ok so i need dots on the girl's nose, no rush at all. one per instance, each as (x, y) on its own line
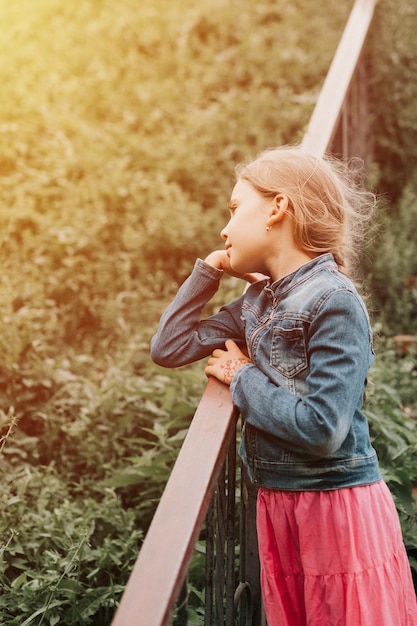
(223, 233)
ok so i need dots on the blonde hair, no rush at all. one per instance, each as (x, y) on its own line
(327, 201)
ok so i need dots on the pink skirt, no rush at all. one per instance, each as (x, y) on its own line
(334, 558)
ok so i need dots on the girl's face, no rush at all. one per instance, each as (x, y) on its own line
(245, 235)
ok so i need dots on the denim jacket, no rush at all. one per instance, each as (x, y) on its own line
(310, 343)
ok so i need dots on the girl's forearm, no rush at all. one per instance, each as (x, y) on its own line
(182, 336)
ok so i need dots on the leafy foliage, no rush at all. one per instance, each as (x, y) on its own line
(120, 127)
(392, 278)
(79, 496)
(392, 272)
(392, 411)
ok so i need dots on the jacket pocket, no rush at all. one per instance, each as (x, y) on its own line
(289, 348)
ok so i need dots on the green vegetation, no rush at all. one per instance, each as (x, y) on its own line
(120, 126)
(392, 275)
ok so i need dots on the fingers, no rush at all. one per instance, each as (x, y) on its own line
(220, 260)
(230, 345)
(223, 364)
(233, 349)
(211, 370)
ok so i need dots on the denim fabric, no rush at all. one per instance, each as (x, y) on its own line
(309, 338)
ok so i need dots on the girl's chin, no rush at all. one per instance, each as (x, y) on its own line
(237, 269)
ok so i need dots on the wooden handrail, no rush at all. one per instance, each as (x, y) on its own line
(161, 567)
(328, 110)
(163, 560)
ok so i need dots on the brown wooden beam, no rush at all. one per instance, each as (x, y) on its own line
(161, 567)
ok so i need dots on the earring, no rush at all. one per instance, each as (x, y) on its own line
(268, 228)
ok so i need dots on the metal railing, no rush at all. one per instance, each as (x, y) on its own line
(202, 485)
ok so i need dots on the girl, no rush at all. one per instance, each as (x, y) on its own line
(295, 350)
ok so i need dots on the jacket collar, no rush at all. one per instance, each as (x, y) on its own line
(284, 284)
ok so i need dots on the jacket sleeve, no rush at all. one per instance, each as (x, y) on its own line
(182, 337)
(340, 354)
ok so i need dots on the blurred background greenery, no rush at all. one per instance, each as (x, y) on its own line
(120, 127)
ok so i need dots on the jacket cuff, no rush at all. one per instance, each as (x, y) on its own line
(236, 380)
(209, 270)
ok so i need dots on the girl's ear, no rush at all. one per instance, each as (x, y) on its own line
(278, 209)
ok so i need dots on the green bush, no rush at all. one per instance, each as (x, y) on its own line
(392, 277)
(121, 124)
(78, 497)
(391, 407)
(64, 559)
(392, 271)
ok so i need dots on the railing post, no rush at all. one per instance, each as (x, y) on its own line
(220, 547)
(250, 587)
(326, 117)
(352, 137)
(232, 591)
